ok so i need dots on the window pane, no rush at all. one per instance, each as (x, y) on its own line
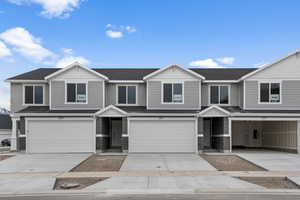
(71, 93)
(275, 92)
(28, 94)
(214, 94)
(224, 95)
(131, 95)
(38, 95)
(264, 92)
(167, 93)
(177, 93)
(121, 94)
(81, 92)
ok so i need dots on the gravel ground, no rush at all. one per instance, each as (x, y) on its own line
(84, 182)
(230, 163)
(97, 163)
(272, 182)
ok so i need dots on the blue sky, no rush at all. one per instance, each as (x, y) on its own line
(143, 33)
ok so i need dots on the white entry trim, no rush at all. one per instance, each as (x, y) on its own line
(226, 113)
(112, 107)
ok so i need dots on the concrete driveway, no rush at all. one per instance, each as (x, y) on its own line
(41, 162)
(165, 162)
(272, 160)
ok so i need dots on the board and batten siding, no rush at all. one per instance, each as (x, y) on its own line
(290, 94)
(234, 99)
(191, 96)
(95, 96)
(16, 99)
(111, 93)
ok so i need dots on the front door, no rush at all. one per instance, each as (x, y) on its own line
(207, 133)
(116, 132)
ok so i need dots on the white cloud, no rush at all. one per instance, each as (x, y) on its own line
(67, 51)
(130, 29)
(53, 8)
(71, 59)
(114, 34)
(226, 60)
(209, 63)
(5, 96)
(26, 44)
(4, 51)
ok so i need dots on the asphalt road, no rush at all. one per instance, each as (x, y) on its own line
(161, 197)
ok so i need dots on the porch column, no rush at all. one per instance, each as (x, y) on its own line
(200, 134)
(298, 136)
(13, 139)
(124, 134)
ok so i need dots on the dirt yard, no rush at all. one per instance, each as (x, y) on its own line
(230, 163)
(271, 182)
(84, 182)
(3, 157)
(98, 163)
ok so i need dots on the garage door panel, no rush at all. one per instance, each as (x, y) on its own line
(162, 136)
(60, 136)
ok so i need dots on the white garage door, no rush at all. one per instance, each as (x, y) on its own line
(162, 135)
(60, 136)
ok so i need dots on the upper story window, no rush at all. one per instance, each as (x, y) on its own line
(219, 94)
(76, 93)
(126, 95)
(269, 92)
(172, 92)
(33, 94)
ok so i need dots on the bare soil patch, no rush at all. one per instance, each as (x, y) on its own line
(84, 182)
(272, 182)
(98, 163)
(3, 157)
(230, 163)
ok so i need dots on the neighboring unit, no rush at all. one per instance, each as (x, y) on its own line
(5, 127)
(158, 110)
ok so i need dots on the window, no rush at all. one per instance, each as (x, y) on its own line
(76, 93)
(172, 93)
(33, 94)
(219, 94)
(126, 94)
(269, 92)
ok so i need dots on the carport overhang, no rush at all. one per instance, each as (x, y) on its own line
(264, 117)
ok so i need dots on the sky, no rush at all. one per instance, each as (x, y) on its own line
(144, 33)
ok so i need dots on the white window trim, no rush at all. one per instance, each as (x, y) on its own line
(229, 94)
(126, 104)
(77, 82)
(269, 82)
(162, 91)
(34, 104)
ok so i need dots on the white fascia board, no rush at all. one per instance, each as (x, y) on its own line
(163, 114)
(214, 107)
(16, 115)
(75, 64)
(221, 81)
(111, 107)
(267, 66)
(172, 65)
(265, 114)
(126, 81)
(26, 81)
(265, 118)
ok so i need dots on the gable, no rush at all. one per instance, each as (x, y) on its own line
(214, 111)
(174, 73)
(286, 68)
(111, 111)
(76, 72)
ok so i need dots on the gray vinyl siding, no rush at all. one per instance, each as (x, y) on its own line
(290, 90)
(241, 94)
(16, 100)
(234, 93)
(111, 94)
(191, 96)
(95, 96)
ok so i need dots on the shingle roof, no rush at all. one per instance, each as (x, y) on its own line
(139, 73)
(5, 122)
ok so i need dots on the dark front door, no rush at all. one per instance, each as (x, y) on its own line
(207, 133)
(116, 132)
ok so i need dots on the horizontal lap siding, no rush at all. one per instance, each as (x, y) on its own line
(95, 96)
(290, 96)
(191, 96)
